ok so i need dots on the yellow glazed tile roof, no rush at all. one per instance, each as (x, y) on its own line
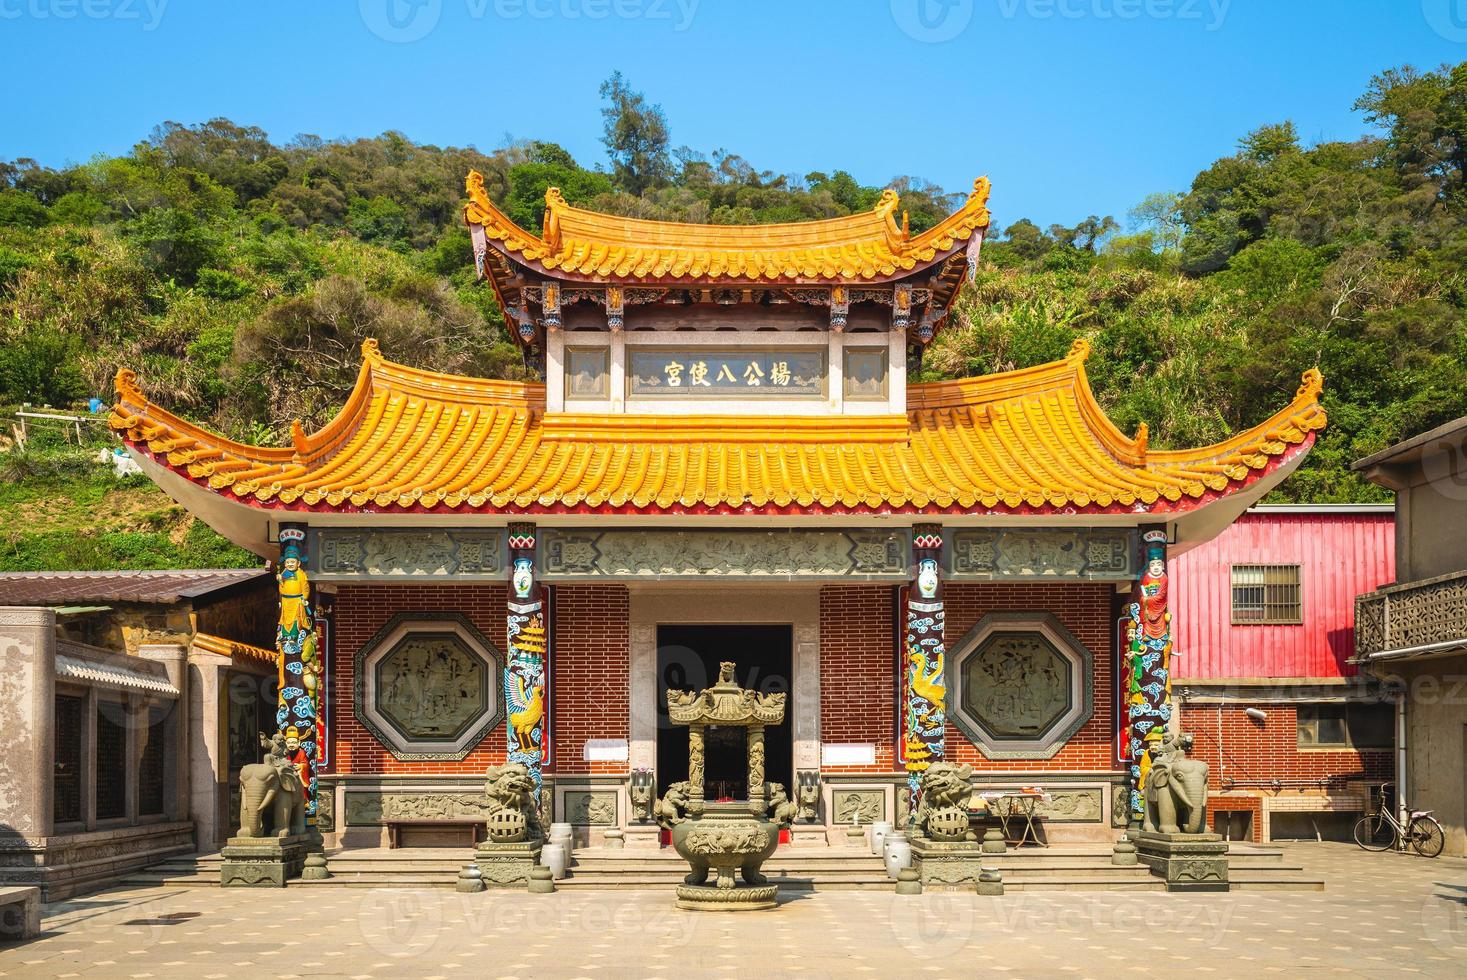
(870, 246)
(209, 643)
(411, 441)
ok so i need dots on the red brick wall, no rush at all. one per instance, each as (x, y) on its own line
(1084, 609)
(589, 673)
(858, 680)
(1252, 752)
(858, 671)
(362, 610)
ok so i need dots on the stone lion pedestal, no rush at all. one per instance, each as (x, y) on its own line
(1188, 862)
(940, 863)
(507, 865)
(263, 862)
(512, 825)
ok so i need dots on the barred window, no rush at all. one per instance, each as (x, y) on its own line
(67, 778)
(111, 760)
(153, 762)
(1266, 594)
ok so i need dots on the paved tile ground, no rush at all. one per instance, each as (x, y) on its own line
(1381, 914)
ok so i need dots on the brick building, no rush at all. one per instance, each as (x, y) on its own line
(725, 461)
(1296, 737)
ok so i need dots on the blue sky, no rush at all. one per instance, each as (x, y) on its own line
(1070, 106)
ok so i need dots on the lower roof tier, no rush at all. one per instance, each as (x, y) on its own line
(413, 442)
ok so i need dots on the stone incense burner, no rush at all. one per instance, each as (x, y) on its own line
(721, 838)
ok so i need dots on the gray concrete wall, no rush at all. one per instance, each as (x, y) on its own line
(1436, 744)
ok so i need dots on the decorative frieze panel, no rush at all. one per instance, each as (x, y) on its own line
(368, 808)
(1024, 685)
(427, 686)
(591, 808)
(1044, 553)
(785, 554)
(858, 805)
(346, 554)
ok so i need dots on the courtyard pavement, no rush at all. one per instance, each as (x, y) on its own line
(1380, 914)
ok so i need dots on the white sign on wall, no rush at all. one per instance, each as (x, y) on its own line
(848, 754)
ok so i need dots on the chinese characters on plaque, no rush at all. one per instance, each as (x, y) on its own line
(779, 373)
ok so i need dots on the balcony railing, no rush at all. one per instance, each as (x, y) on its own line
(1412, 615)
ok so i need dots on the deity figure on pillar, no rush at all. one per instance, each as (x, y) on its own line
(298, 705)
(1148, 667)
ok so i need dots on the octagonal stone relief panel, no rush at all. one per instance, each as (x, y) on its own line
(1023, 685)
(427, 685)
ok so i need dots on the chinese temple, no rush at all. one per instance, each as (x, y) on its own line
(725, 461)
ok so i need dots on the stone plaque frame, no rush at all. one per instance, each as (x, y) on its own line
(1081, 700)
(400, 628)
(990, 554)
(387, 554)
(693, 554)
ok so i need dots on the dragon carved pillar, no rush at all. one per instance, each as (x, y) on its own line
(525, 665)
(1148, 667)
(924, 716)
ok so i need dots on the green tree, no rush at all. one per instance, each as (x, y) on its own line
(635, 136)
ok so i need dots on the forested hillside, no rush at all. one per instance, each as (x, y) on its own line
(239, 276)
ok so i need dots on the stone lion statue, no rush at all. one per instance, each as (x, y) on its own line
(947, 790)
(781, 809)
(511, 791)
(672, 809)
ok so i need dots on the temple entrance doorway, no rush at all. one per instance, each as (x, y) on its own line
(687, 660)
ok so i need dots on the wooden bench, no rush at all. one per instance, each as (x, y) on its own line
(20, 913)
(434, 833)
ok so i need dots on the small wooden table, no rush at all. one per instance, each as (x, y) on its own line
(1012, 804)
(435, 833)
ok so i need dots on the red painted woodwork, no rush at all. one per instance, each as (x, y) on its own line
(1341, 554)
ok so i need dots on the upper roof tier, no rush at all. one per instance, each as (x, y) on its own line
(412, 442)
(860, 248)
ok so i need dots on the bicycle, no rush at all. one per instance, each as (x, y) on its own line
(1381, 831)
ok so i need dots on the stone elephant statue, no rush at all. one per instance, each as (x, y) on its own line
(1176, 789)
(272, 798)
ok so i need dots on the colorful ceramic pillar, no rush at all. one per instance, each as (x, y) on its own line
(1148, 666)
(924, 689)
(298, 715)
(527, 644)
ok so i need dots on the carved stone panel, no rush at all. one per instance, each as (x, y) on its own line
(1040, 553)
(1023, 686)
(368, 808)
(345, 554)
(1016, 685)
(1072, 806)
(868, 804)
(743, 554)
(427, 686)
(591, 808)
(430, 685)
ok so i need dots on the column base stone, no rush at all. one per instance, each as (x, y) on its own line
(1188, 862)
(262, 862)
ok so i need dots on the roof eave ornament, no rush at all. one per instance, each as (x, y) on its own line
(554, 203)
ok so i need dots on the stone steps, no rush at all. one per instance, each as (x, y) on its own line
(1058, 868)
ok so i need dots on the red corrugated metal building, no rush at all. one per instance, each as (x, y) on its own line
(1264, 619)
(1340, 552)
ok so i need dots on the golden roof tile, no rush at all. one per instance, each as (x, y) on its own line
(864, 247)
(1027, 441)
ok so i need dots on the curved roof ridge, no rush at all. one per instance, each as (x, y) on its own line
(1302, 415)
(865, 246)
